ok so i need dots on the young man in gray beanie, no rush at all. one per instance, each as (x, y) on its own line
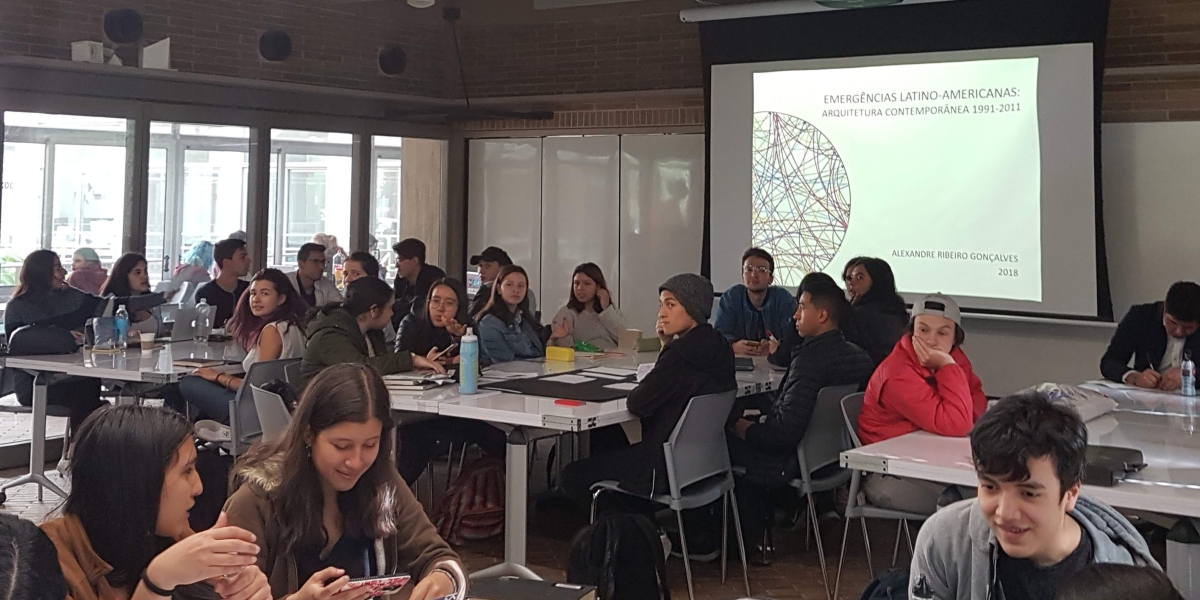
(695, 361)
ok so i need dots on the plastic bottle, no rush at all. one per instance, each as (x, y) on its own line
(204, 321)
(121, 327)
(1188, 372)
(339, 267)
(468, 364)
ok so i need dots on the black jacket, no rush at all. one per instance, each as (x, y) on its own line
(410, 297)
(1141, 335)
(68, 308)
(419, 336)
(823, 361)
(883, 324)
(697, 364)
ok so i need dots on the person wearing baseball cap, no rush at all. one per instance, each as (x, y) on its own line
(489, 262)
(925, 384)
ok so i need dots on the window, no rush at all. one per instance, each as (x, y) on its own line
(199, 178)
(310, 191)
(385, 202)
(64, 188)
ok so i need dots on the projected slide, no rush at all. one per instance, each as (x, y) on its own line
(935, 167)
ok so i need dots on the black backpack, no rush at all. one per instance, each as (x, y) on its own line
(621, 555)
(892, 585)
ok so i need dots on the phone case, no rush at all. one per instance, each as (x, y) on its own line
(379, 585)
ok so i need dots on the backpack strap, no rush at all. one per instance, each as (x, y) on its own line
(660, 563)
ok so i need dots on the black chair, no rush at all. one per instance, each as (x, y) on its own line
(35, 340)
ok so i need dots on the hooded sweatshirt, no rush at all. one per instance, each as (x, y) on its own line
(416, 549)
(334, 338)
(956, 551)
(699, 363)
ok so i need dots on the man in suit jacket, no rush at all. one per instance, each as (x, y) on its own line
(1157, 336)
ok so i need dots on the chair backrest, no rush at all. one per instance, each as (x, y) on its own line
(291, 374)
(824, 440)
(851, 409)
(273, 415)
(244, 426)
(697, 449)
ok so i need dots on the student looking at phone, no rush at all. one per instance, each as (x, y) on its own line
(755, 314)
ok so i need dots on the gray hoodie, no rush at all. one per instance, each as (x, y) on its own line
(956, 552)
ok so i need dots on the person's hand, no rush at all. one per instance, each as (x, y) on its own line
(421, 362)
(764, 348)
(561, 329)
(455, 329)
(1171, 381)
(1147, 379)
(772, 347)
(605, 298)
(662, 333)
(741, 427)
(327, 584)
(745, 348)
(433, 356)
(207, 373)
(435, 585)
(211, 554)
(250, 584)
(79, 336)
(931, 358)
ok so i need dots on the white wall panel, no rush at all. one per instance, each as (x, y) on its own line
(505, 200)
(662, 218)
(580, 218)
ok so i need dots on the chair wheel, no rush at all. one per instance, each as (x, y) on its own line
(3, 497)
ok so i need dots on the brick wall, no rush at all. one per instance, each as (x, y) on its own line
(1148, 35)
(331, 45)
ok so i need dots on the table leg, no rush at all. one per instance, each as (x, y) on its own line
(515, 511)
(37, 445)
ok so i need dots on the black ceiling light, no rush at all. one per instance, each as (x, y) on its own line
(275, 45)
(123, 26)
(393, 60)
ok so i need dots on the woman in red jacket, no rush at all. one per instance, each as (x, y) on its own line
(925, 384)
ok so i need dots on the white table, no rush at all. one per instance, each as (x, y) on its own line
(533, 417)
(1170, 483)
(1133, 398)
(154, 366)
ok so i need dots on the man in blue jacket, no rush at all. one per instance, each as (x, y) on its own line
(754, 314)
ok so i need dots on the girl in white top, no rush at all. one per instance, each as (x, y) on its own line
(266, 324)
(590, 316)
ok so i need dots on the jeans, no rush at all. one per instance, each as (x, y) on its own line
(419, 442)
(211, 399)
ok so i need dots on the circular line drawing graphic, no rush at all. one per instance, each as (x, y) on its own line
(801, 196)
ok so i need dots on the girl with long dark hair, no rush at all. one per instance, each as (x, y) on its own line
(130, 278)
(508, 331)
(266, 325)
(878, 305)
(590, 315)
(124, 532)
(325, 501)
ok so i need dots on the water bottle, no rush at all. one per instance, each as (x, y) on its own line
(468, 363)
(121, 327)
(204, 321)
(1188, 372)
(339, 267)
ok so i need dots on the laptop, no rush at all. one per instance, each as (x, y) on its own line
(184, 327)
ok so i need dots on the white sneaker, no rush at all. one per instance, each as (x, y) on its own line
(212, 431)
(666, 542)
(64, 467)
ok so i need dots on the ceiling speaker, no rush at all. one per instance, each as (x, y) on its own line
(123, 26)
(393, 60)
(275, 45)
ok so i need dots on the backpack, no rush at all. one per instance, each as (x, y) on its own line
(621, 555)
(214, 467)
(473, 508)
(892, 585)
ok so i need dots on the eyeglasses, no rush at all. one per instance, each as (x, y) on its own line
(749, 270)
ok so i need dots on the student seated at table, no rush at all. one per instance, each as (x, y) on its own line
(43, 298)
(351, 331)
(489, 262)
(508, 331)
(925, 384)
(413, 277)
(87, 274)
(124, 533)
(363, 264)
(28, 562)
(129, 278)
(326, 504)
(223, 293)
(1156, 336)
(750, 313)
(309, 278)
(695, 361)
(1110, 581)
(590, 315)
(1029, 529)
(766, 446)
(880, 309)
(266, 325)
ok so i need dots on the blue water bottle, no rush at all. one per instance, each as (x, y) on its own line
(468, 364)
(1188, 375)
(121, 327)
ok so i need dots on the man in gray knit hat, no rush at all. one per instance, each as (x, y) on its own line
(693, 292)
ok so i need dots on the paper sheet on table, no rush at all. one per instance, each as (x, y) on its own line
(569, 379)
(624, 387)
(506, 375)
(594, 373)
(613, 371)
